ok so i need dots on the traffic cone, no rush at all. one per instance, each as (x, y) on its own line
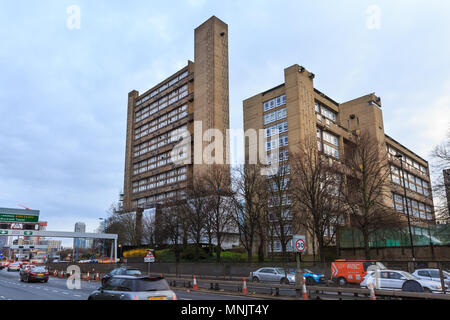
(372, 292)
(195, 287)
(55, 273)
(88, 277)
(244, 287)
(61, 274)
(97, 277)
(304, 292)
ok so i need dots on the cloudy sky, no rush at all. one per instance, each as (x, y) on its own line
(63, 89)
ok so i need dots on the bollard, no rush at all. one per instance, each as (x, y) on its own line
(244, 287)
(372, 292)
(277, 292)
(304, 292)
(195, 287)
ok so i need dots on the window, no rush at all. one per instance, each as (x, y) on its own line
(330, 138)
(275, 102)
(275, 116)
(329, 150)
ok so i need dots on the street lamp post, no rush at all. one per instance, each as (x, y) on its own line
(103, 246)
(400, 157)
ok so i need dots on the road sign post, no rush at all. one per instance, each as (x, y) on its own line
(299, 245)
(149, 258)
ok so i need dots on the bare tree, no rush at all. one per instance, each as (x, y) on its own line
(196, 208)
(367, 189)
(249, 204)
(218, 189)
(281, 217)
(441, 187)
(315, 190)
(170, 222)
(123, 224)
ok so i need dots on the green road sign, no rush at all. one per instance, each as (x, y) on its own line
(7, 217)
(3, 232)
(28, 233)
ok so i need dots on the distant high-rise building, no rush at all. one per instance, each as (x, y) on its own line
(79, 242)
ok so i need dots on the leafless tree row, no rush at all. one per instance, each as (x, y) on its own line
(309, 194)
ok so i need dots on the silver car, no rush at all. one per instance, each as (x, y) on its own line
(125, 287)
(395, 279)
(432, 274)
(272, 275)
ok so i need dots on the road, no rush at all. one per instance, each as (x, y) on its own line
(11, 288)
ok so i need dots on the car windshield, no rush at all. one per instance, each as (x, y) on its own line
(133, 272)
(147, 284)
(408, 275)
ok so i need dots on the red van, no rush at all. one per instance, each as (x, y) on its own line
(343, 271)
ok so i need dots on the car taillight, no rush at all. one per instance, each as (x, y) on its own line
(46, 273)
(135, 298)
(174, 297)
(33, 273)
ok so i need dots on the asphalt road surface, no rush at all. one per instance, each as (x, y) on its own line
(11, 288)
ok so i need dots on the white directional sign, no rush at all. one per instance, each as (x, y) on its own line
(299, 243)
(149, 257)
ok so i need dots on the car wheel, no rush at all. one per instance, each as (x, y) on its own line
(426, 290)
(341, 281)
(284, 281)
(310, 281)
(255, 279)
(46, 280)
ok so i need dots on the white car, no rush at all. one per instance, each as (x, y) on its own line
(432, 274)
(394, 280)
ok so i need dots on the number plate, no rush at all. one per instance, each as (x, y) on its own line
(157, 298)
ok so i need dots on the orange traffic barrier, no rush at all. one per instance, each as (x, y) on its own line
(372, 292)
(88, 277)
(244, 286)
(55, 273)
(61, 274)
(304, 292)
(195, 284)
(97, 277)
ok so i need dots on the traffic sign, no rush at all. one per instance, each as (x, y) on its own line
(149, 257)
(28, 233)
(1, 255)
(299, 243)
(3, 232)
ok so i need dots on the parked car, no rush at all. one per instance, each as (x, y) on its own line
(344, 272)
(34, 273)
(396, 280)
(272, 275)
(123, 287)
(2, 265)
(15, 266)
(432, 274)
(130, 271)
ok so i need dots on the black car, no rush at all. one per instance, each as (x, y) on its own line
(122, 271)
(125, 287)
(34, 273)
